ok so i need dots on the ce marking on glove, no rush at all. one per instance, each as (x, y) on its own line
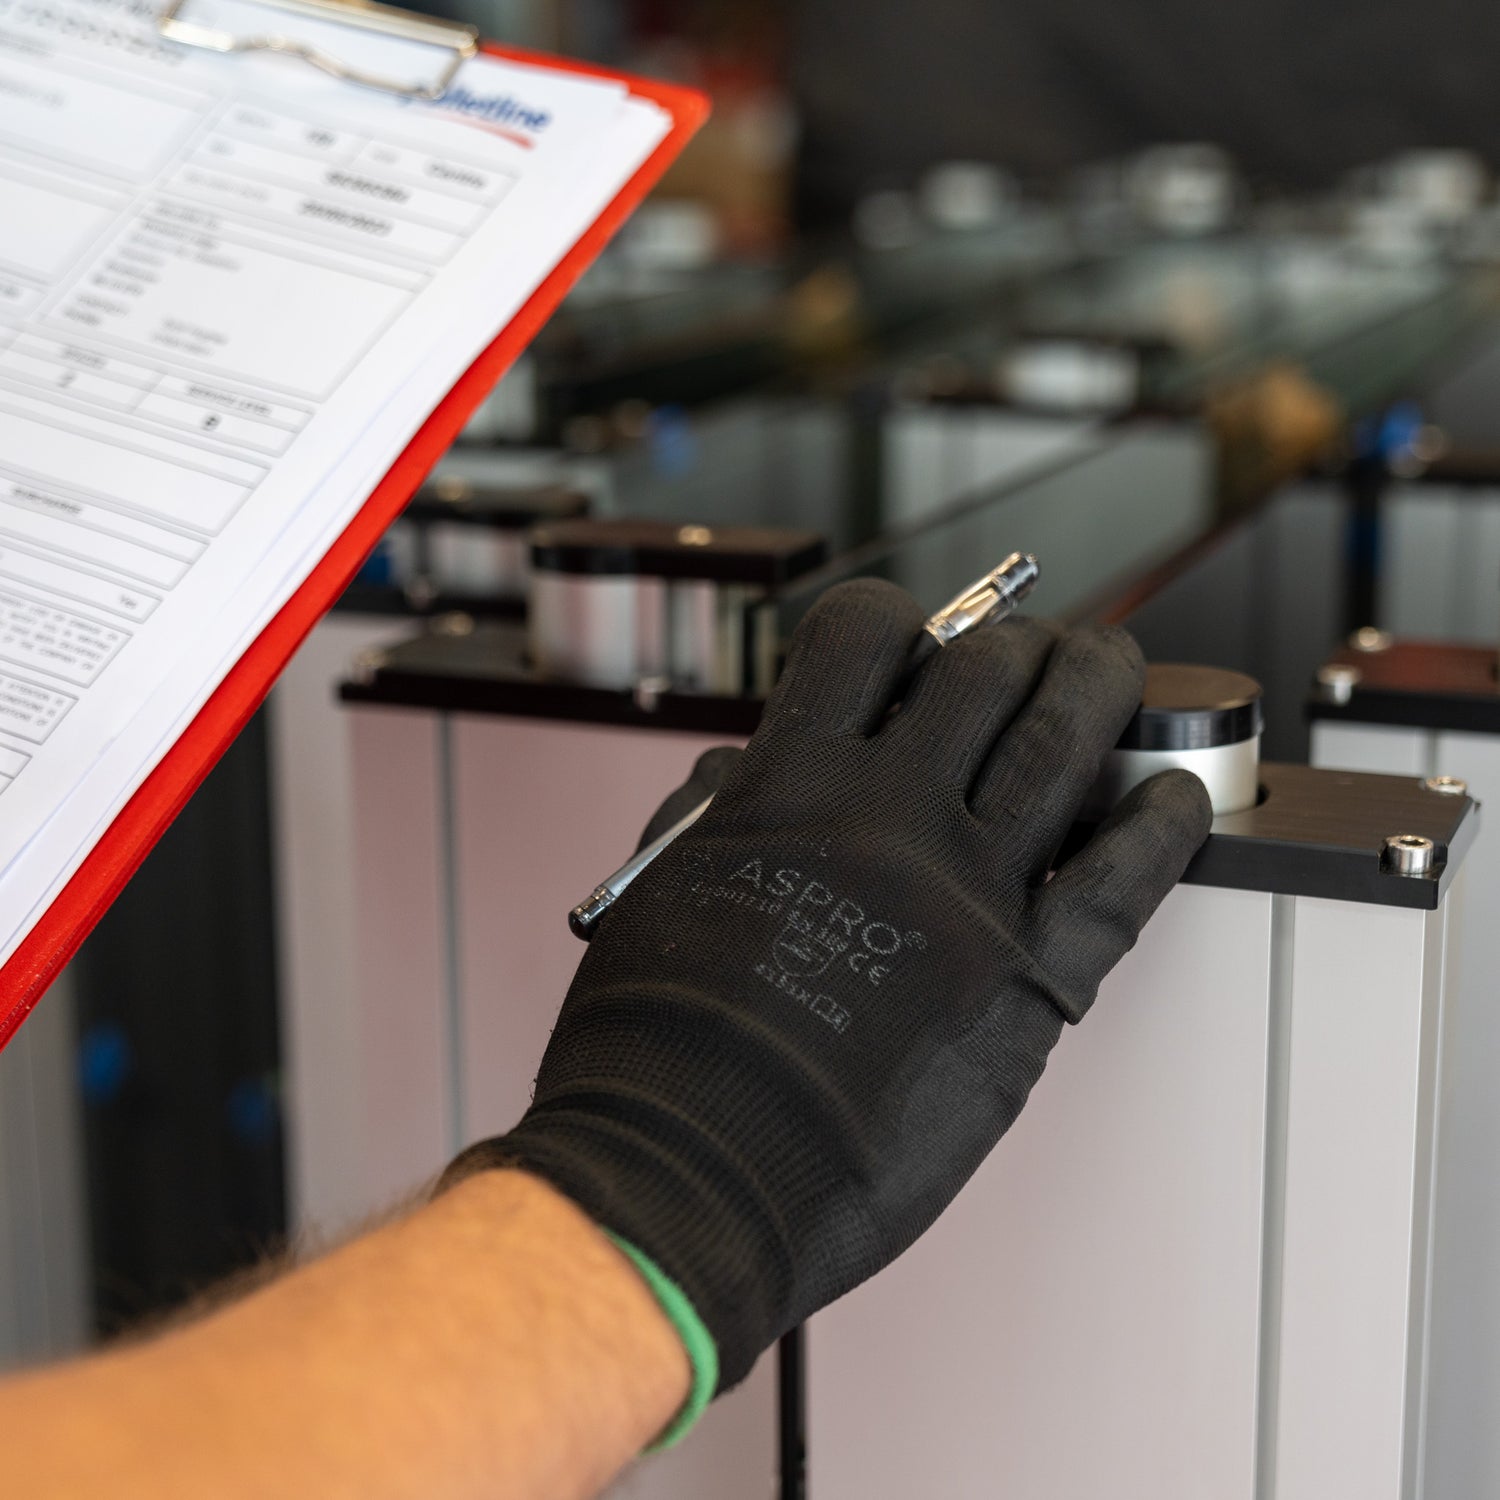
(821, 926)
(805, 948)
(821, 931)
(820, 934)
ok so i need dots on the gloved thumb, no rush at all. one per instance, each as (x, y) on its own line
(707, 776)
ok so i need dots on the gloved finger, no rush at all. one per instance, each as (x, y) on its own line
(846, 660)
(1041, 770)
(966, 695)
(1091, 912)
(707, 776)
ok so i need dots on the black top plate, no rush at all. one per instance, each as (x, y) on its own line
(1419, 685)
(1314, 832)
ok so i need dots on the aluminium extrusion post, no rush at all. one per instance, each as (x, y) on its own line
(1197, 1265)
(1431, 709)
(314, 835)
(471, 835)
(1187, 1271)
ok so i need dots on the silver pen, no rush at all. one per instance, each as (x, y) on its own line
(986, 601)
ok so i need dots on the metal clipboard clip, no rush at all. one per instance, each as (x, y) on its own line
(459, 41)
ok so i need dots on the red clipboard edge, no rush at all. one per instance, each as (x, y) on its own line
(120, 850)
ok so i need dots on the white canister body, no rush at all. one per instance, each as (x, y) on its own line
(1206, 720)
(1231, 773)
(599, 630)
(486, 560)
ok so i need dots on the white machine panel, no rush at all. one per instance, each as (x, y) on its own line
(1364, 1025)
(1145, 1294)
(1198, 1264)
(312, 803)
(1463, 1432)
(1462, 1436)
(402, 1103)
(1085, 1318)
(539, 804)
(536, 804)
(1441, 556)
(473, 835)
(1358, 747)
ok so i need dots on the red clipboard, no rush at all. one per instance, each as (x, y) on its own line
(142, 821)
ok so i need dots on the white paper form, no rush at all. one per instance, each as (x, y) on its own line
(203, 374)
(25, 887)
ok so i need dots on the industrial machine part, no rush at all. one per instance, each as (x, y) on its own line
(1431, 711)
(466, 542)
(1204, 719)
(986, 601)
(616, 602)
(1073, 377)
(1201, 1263)
(1209, 1228)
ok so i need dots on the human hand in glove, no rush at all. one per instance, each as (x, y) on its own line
(802, 1028)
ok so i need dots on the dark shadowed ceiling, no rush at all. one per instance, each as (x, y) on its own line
(1299, 92)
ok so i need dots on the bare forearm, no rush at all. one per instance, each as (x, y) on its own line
(492, 1344)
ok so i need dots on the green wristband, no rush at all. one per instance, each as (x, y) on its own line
(702, 1352)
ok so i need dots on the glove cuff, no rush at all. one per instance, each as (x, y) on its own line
(697, 1341)
(709, 1244)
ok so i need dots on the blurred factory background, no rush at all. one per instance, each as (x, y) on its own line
(1202, 306)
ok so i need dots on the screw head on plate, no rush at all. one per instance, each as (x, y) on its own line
(1408, 854)
(366, 665)
(648, 691)
(420, 592)
(1338, 682)
(1371, 638)
(1451, 786)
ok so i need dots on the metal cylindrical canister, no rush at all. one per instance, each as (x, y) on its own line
(475, 532)
(693, 635)
(403, 550)
(616, 602)
(1206, 720)
(599, 630)
(469, 559)
(1070, 376)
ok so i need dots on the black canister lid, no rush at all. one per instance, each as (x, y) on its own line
(451, 497)
(1188, 707)
(669, 549)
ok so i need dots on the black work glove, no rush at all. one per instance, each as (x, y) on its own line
(799, 1032)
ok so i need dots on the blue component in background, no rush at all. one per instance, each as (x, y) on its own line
(105, 1062)
(1390, 434)
(253, 1111)
(377, 567)
(673, 443)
